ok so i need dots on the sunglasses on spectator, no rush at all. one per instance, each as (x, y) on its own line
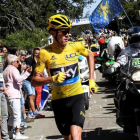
(16, 61)
(63, 32)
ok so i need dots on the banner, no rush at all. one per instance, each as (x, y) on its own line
(105, 12)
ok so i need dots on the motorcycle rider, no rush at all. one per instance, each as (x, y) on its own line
(133, 38)
(131, 100)
(114, 46)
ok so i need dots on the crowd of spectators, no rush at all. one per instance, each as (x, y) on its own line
(16, 71)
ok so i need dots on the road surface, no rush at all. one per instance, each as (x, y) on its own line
(99, 123)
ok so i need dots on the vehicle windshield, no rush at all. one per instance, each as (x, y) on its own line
(95, 49)
(132, 55)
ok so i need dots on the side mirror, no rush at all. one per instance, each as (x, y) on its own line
(106, 56)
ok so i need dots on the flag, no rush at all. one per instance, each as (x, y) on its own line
(44, 97)
(105, 12)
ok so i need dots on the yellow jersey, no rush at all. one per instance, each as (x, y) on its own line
(56, 59)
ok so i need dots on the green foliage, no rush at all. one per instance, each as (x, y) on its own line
(23, 22)
(25, 39)
(132, 9)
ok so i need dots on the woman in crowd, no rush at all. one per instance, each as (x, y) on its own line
(13, 81)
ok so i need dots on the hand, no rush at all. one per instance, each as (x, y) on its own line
(23, 67)
(4, 90)
(59, 78)
(93, 87)
(29, 69)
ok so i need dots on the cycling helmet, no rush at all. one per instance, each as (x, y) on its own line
(115, 44)
(58, 21)
(80, 39)
(101, 41)
(134, 34)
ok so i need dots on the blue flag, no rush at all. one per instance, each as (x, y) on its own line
(105, 12)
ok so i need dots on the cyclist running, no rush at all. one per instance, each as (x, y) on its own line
(61, 62)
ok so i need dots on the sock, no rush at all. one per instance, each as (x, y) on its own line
(24, 116)
(30, 112)
(18, 134)
(35, 113)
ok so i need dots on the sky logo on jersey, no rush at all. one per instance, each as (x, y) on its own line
(71, 57)
(72, 74)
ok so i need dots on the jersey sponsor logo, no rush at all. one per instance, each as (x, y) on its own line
(72, 74)
(82, 113)
(53, 58)
(71, 57)
(53, 64)
(136, 61)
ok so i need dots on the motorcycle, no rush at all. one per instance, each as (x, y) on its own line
(127, 96)
(84, 75)
(106, 60)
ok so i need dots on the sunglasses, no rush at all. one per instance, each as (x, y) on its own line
(63, 32)
(23, 55)
(16, 61)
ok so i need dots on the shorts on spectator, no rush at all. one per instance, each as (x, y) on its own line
(14, 110)
(29, 90)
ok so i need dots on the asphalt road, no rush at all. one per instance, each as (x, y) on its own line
(99, 123)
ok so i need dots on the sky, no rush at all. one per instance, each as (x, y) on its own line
(90, 8)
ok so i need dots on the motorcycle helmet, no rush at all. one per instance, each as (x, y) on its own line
(58, 21)
(115, 45)
(134, 34)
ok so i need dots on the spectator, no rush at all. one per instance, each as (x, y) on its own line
(29, 53)
(11, 73)
(30, 90)
(13, 50)
(4, 49)
(22, 68)
(5, 63)
(3, 106)
(22, 56)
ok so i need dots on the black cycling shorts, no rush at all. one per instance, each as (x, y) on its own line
(69, 111)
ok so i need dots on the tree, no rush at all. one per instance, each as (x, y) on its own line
(25, 39)
(132, 9)
(29, 14)
(20, 17)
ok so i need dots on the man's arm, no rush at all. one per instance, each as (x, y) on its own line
(121, 61)
(90, 59)
(92, 85)
(38, 80)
